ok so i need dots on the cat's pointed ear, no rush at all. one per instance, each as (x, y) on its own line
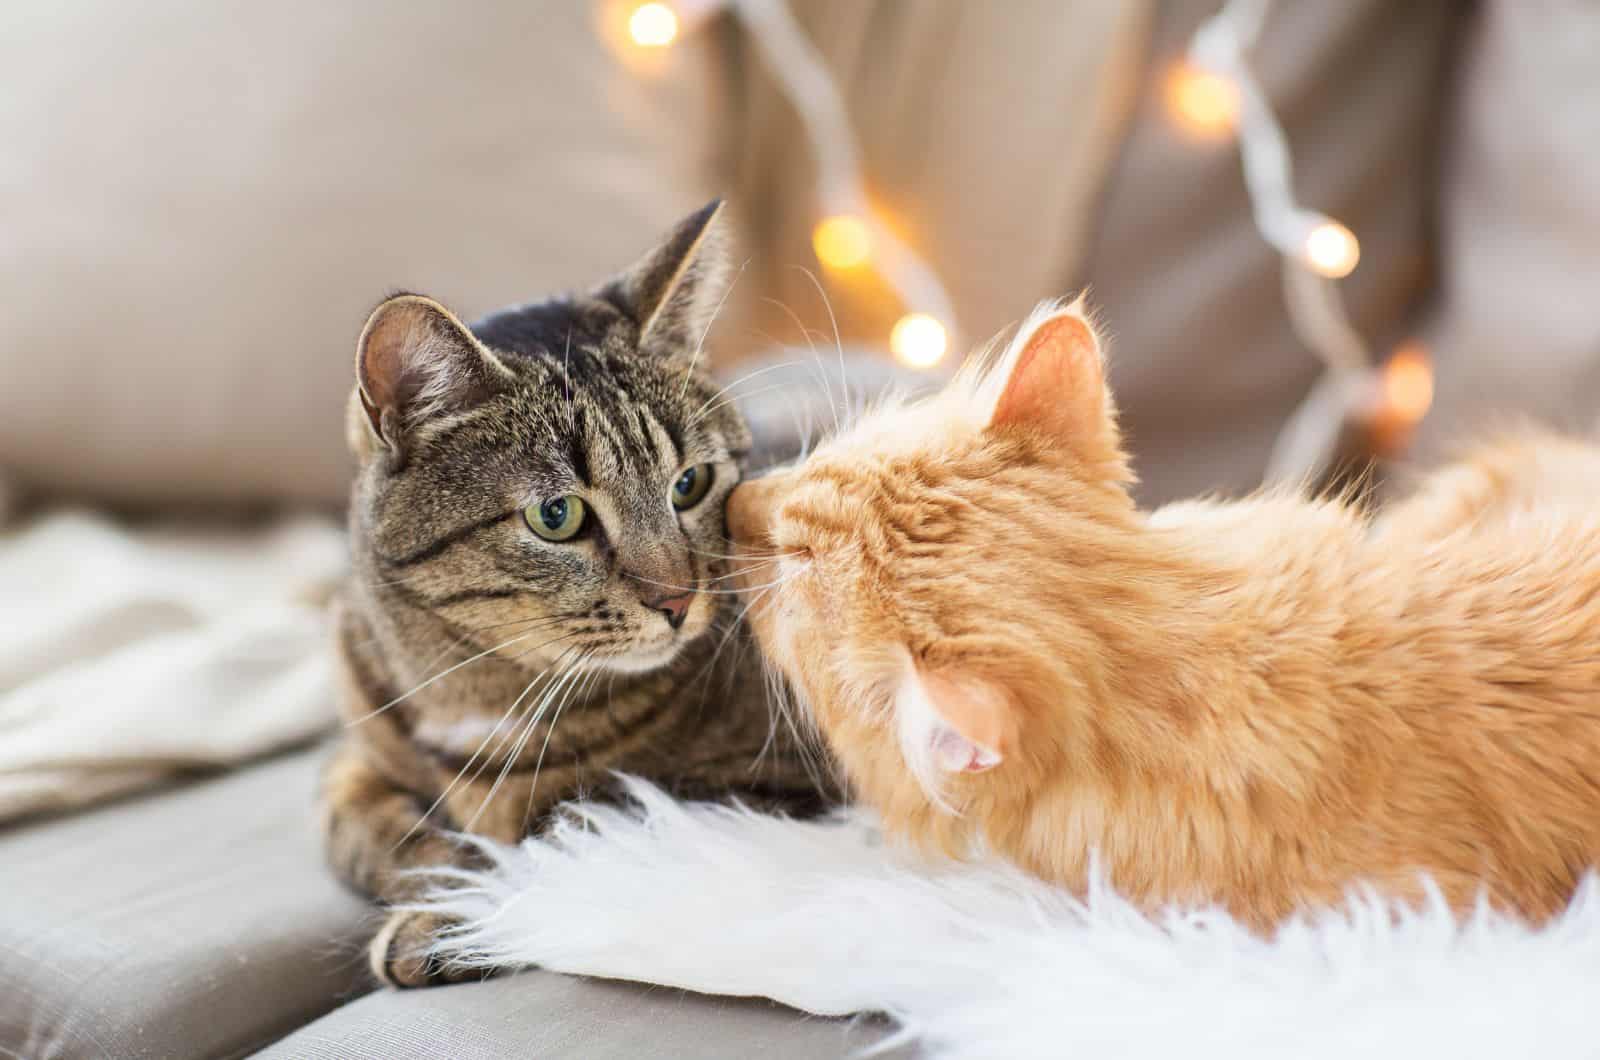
(673, 292)
(950, 722)
(1051, 379)
(416, 361)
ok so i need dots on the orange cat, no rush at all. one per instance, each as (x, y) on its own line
(1259, 704)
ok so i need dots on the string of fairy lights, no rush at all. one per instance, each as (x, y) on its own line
(1211, 94)
(1214, 92)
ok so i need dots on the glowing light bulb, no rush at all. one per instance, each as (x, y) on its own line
(918, 340)
(653, 25)
(1203, 103)
(1408, 383)
(1331, 250)
(842, 241)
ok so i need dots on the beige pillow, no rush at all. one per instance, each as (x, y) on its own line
(199, 202)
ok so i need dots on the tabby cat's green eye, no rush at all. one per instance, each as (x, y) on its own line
(558, 519)
(692, 486)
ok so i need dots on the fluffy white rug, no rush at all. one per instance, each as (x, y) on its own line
(979, 961)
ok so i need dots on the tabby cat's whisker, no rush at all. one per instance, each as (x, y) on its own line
(482, 744)
(778, 693)
(694, 416)
(749, 555)
(407, 580)
(805, 332)
(543, 623)
(729, 400)
(561, 683)
(838, 344)
(516, 736)
(718, 592)
(694, 358)
(589, 682)
(533, 706)
(822, 375)
(741, 572)
(543, 620)
(538, 766)
(529, 651)
(732, 629)
(806, 431)
(807, 741)
(566, 382)
(437, 677)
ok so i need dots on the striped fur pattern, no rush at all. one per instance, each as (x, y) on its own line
(490, 673)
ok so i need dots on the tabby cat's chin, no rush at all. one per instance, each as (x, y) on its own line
(643, 660)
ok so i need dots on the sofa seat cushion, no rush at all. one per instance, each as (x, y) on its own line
(198, 921)
(544, 1014)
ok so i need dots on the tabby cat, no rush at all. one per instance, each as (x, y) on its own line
(538, 592)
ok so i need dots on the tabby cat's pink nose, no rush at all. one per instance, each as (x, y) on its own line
(676, 608)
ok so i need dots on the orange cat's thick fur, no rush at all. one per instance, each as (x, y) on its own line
(1260, 704)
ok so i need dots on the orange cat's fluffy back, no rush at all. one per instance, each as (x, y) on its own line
(1259, 703)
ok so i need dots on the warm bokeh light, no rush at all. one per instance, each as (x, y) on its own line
(653, 25)
(1408, 383)
(918, 340)
(1203, 103)
(1331, 249)
(842, 241)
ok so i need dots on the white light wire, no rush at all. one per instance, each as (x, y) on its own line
(1315, 308)
(805, 80)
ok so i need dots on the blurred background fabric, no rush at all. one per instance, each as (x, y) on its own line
(1517, 322)
(199, 203)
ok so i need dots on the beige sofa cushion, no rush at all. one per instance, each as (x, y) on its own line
(199, 202)
(539, 1014)
(195, 922)
(203, 922)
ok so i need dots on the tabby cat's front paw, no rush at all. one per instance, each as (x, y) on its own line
(400, 952)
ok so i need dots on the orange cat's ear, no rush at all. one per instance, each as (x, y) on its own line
(1052, 379)
(952, 723)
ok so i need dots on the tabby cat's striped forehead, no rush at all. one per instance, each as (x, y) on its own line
(583, 399)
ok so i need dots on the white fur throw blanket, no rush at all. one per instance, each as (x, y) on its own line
(979, 961)
(130, 655)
